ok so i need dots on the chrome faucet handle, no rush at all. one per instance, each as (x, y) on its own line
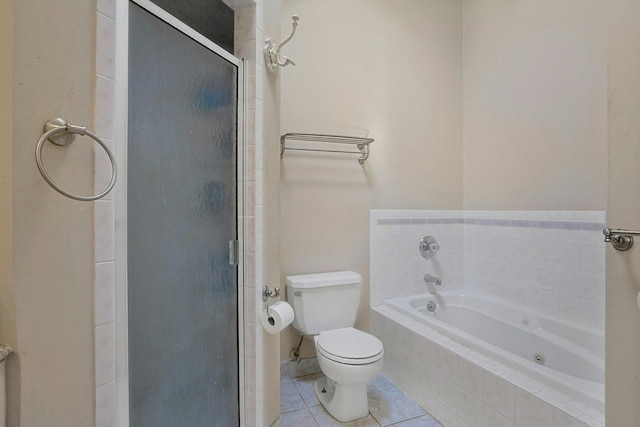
(432, 279)
(428, 246)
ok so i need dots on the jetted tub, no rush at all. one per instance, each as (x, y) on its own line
(564, 356)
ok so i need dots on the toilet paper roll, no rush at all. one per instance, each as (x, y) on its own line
(279, 317)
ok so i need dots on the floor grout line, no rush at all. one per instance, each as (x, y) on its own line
(386, 385)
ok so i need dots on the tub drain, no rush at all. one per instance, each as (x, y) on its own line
(538, 358)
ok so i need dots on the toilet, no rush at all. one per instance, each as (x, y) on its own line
(325, 306)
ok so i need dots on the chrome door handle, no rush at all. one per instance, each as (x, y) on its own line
(620, 239)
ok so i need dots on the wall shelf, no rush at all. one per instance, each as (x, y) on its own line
(326, 144)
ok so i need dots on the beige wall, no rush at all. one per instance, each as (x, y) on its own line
(51, 376)
(622, 387)
(535, 123)
(7, 313)
(394, 68)
(271, 211)
(535, 105)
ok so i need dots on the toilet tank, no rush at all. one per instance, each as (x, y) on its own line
(324, 301)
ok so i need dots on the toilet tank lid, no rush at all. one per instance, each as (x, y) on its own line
(316, 280)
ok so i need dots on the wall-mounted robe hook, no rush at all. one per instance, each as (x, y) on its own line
(272, 56)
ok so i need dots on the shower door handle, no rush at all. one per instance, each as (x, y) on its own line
(620, 239)
(234, 252)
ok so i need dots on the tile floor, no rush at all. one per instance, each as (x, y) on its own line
(388, 406)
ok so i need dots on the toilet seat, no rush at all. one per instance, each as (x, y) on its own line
(349, 346)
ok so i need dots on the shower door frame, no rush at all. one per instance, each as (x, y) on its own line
(120, 198)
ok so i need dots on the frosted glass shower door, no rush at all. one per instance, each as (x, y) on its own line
(181, 215)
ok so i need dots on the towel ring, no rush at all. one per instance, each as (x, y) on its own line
(53, 130)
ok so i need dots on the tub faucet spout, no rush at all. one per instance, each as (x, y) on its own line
(432, 279)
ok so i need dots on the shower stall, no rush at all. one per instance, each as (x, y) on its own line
(182, 218)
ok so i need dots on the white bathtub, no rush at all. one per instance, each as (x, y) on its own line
(511, 335)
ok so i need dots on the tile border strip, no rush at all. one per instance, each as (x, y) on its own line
(594, 225)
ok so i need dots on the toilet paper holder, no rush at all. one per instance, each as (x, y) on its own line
(268, 295)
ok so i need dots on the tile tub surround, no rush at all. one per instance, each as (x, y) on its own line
(396, 266)
(460, 386)
(551, 262)
(548, 261)
(388, 406)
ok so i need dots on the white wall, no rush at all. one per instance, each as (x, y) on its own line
(261, 208)
(535, 105)
(268, 204)
(393, 68)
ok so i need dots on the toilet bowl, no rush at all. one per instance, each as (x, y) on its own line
(350, 359)
(325, 306)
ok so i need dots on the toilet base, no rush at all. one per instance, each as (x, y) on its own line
(345, 402)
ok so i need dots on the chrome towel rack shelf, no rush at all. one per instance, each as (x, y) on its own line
(60, 132)
(317, 142)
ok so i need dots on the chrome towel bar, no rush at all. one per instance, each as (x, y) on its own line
(60, 132)
(620, 239)
(360, 146)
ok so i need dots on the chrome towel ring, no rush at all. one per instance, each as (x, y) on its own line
(60, 132)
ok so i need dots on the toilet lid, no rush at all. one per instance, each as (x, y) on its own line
(349, 345)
